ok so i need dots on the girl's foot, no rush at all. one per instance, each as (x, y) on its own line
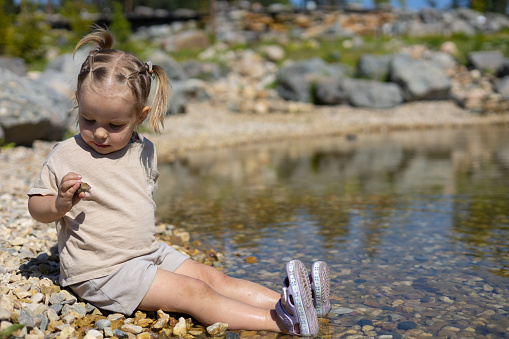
(320, 287)
(295, 308)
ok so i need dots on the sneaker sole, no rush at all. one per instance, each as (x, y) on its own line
(303, 300)
(321, 279)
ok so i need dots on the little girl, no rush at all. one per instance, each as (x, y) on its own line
(106, 235)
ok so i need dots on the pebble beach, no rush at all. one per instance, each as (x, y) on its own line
(29, 268)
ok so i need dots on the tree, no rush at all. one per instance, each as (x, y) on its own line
(78, 12)
(120, 26)
(5, 22)
(491, 6)
(29, 35)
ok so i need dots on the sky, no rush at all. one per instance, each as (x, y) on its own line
(410, 4)
(414, 4)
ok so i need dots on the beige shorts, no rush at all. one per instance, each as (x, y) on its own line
(123, 290)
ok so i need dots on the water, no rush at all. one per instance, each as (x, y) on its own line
(414, 225)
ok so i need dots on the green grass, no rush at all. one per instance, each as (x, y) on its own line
(9, 331)
(343, 50)
(348, 50)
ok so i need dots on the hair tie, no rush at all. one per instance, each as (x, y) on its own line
(149, 67)
(91, 56)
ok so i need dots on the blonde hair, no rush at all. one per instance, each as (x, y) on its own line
(123, 68)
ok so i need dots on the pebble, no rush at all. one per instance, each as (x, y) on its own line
(120, 334)
(407, 325)
(94, 334)
(217, 329)
(101, 324)
(232, 335)
(180, 328)
(341, 310)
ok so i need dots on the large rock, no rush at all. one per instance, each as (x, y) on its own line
(330, 91)
(186, 40)
(30, 110)
(419, 79)
(15, 65)
(374, 67)
(358, 93)
(202, 70)
(185, 91)
(486, 61)
(502, 87)
(173, 69)
(295, 87)
(372, 93)
(61, 73)
(296, 79)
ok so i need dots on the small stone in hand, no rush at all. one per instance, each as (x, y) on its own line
(84, 187)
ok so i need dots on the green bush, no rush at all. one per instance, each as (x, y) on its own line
(29, 36)
(5, 22)
(81, 18)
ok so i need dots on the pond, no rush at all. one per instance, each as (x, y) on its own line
(413, 224)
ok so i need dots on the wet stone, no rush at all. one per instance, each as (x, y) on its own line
(341, 310)
(407, 325)
(364, 322)
(232, 335)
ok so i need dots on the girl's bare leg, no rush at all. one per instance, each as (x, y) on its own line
(239, 289)
(174, 292)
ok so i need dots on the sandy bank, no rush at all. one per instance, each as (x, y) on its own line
(208, 126)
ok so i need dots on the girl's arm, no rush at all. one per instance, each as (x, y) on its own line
(48, 208)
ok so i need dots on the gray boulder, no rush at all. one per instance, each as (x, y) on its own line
(296, 79)
(295, 87)
(61, 73)
(372, 93)
(503, 70)
(184, 91)
(486, 61)
(419, 79)
(358, 93)
(173, 69)
(191, 39)
(15, 65)
(330, 91)
(502, 86)
(443, 59)
(202, 70)
(495, 22)
(374, 67)
(30, 110)
(459, 26)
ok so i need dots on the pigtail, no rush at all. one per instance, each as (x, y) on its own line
(160, 101)
(100, 37)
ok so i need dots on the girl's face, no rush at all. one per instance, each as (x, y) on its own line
(107, 123)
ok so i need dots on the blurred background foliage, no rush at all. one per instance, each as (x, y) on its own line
(26, 33)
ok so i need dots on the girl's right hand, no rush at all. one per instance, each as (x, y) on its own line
(66, 197)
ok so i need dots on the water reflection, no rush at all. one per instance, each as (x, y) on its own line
(427, 209)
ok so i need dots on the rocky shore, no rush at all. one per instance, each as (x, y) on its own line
(32, 304)
(29, 267)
